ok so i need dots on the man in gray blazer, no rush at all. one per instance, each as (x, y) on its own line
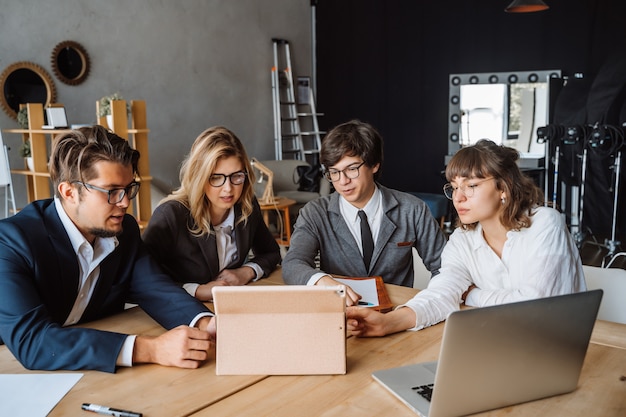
(364, 229)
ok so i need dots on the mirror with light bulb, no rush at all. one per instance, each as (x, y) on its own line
(506, 107)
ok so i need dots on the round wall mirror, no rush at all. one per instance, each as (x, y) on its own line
(25, 82)
(70, 62)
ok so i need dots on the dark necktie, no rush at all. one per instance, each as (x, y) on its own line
(366, 239)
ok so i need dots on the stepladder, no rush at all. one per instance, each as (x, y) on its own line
(296, 129)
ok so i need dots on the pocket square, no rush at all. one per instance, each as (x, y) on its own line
(405, 244)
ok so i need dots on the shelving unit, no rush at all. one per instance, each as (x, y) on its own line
(138, 135)
(38, 181)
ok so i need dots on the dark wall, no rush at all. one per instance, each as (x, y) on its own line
(387, 63)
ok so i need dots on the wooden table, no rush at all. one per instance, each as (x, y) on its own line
(161, 391)
(281, 206)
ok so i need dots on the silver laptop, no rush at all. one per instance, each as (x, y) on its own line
(498, 356)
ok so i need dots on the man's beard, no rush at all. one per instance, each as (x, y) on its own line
(105, 233)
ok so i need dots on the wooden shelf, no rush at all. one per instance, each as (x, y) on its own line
(38, 181)
(29, 172)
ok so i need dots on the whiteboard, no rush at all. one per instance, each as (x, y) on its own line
(5, 171)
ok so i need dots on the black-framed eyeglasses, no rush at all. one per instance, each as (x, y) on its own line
(467, 189)
(236, 178)
(350, 172)
(115, 195)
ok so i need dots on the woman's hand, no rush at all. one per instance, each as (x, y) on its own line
(204, 291)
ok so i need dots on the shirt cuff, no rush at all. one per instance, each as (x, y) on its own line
(125, 357)
(198, 317)
(316, 277)
(191, 288)
(417, 326)
(257, 269)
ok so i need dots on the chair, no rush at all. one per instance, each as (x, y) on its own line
(613, 282)
(437, 203)
(5, 179)
(421, 275)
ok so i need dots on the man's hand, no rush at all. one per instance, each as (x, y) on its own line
(352, 298)
(366, 322)
(204, 293)
(208, 324)
(183, 347)
(238, 276)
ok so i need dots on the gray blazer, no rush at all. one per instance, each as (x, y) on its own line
(407, 223)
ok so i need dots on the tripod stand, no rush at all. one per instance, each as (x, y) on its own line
(611, 139)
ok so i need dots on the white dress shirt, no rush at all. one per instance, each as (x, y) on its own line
(373, 209)
(539, 261)
(226, 250)
(89, 259)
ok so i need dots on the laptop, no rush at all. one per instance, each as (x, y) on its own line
(56, 118)
(280, 330)
(497, 356)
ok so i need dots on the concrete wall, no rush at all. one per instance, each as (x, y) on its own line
(197, 63)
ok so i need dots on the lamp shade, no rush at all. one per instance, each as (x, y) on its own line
(526, 6)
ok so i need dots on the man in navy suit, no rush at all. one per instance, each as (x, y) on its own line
(79, 257)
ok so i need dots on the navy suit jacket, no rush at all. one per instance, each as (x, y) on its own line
(39, 275)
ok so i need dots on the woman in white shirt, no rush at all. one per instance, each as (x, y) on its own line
(507, 246)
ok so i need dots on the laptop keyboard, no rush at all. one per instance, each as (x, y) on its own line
(425, 391)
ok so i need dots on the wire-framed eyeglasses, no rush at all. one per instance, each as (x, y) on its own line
(467, 189)
(350, 172)
(236, 178)
(115, 195)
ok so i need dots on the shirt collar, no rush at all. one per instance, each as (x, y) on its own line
(371, 208)
(230, 220)
(76, 237)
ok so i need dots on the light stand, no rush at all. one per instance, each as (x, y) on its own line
(613, 244)
(611, 139)
(579, 235)
(547, 134)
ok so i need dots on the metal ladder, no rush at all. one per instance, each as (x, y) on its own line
(291, 141)
(307, 117)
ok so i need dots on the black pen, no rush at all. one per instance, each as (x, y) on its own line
(101, 409)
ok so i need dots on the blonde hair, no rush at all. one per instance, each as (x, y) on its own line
(485, 159)
(209, 147)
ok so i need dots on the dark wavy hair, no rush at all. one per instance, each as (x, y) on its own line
(485, 159)
(353, 138)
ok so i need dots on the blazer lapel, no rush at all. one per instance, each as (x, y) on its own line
(208, 246)
(68, 271)
(387, 226)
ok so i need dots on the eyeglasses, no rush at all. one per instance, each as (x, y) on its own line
(115, 195)
(350, 172)
(236, 178)
(467, 190)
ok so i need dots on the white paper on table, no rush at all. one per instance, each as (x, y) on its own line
(366, 288)
(33, 395)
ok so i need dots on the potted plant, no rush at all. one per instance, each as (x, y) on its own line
(22, 117)
(26, 154)
(104, 107)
